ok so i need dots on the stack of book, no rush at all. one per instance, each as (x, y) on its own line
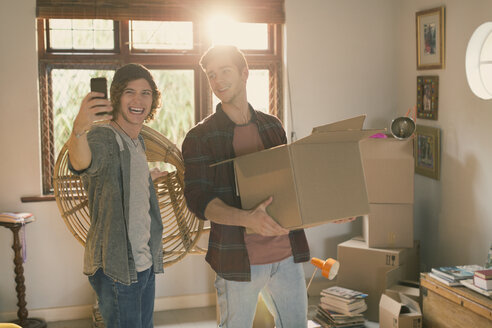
(481, 282)
(483, 279)
(15, 217)
(454, 275)
(341, 307)
(331, 320)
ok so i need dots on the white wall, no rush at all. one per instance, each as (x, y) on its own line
(454, 215)
(345, 58)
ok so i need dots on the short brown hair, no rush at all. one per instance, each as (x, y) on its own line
(230, 51)
(128, 73)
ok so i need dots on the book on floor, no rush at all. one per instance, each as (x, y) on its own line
(330, 319)
(341, 307)
(342, 292)
(341, 310)
(346, 304)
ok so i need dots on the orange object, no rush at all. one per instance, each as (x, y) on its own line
(329, 268)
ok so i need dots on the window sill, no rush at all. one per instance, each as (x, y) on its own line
(36, 199)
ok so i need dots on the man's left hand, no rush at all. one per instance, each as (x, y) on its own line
(156, 173)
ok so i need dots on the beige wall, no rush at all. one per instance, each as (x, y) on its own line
(454, 215)
(365, 62)
(344, 58)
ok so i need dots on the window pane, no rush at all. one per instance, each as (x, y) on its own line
(161, 35)
(177, 112)
(486, 75)
(82, 34)
(246, 36)
(257, 90)
(486, 64)
(69, 88)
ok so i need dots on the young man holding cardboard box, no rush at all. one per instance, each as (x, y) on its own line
(268, 260)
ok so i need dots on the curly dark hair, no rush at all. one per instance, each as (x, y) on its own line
(128, 73)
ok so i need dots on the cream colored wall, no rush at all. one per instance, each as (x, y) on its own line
(351, 57)
(365, 63)
(454, 215)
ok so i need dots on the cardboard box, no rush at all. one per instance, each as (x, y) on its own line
(314, 180)
(370, 270)
(398, 311)
(388, 226)
(410, 288)
(389, 170)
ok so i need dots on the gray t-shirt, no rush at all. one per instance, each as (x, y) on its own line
(139, 225)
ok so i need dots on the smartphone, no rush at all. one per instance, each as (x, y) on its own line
(99, 84)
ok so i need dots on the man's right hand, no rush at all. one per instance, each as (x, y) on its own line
(90, 112)
(78, 147)
(263, 224)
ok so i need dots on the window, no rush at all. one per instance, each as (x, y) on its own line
(479, 61)
(74, 50)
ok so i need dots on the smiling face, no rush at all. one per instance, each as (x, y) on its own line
(227, 82)
(135, 104)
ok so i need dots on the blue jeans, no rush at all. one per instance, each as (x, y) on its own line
(124, 306)
(283, 287)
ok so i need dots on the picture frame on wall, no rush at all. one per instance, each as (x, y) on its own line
(427, 97)
(427, 150)
(430, 26)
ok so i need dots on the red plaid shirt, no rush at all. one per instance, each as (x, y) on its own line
(210, 142)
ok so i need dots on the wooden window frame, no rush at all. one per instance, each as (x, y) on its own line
(270, 59)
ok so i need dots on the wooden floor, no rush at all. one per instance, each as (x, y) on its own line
(185, 318)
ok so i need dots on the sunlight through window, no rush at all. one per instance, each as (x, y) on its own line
(224, 29)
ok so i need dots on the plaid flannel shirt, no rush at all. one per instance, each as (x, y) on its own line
(210, 142)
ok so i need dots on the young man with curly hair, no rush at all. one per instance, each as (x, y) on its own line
(123, 249)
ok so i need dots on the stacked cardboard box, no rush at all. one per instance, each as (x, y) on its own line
(373, 270)
(389, 173)
(387, 252)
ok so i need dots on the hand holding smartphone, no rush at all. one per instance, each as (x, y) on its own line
(99, 84)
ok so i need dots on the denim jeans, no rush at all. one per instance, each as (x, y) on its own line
(125, 306)
(283, 287)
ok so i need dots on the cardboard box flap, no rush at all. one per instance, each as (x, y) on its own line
(391, 314)
(337, 136)
(334, 181)
(251, 154)
(389, 302)
(354, 123)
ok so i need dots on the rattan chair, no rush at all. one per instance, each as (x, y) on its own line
(182, 229)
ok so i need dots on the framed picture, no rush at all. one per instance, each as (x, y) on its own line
(427, 97)
(428, 151)
(430, 38)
